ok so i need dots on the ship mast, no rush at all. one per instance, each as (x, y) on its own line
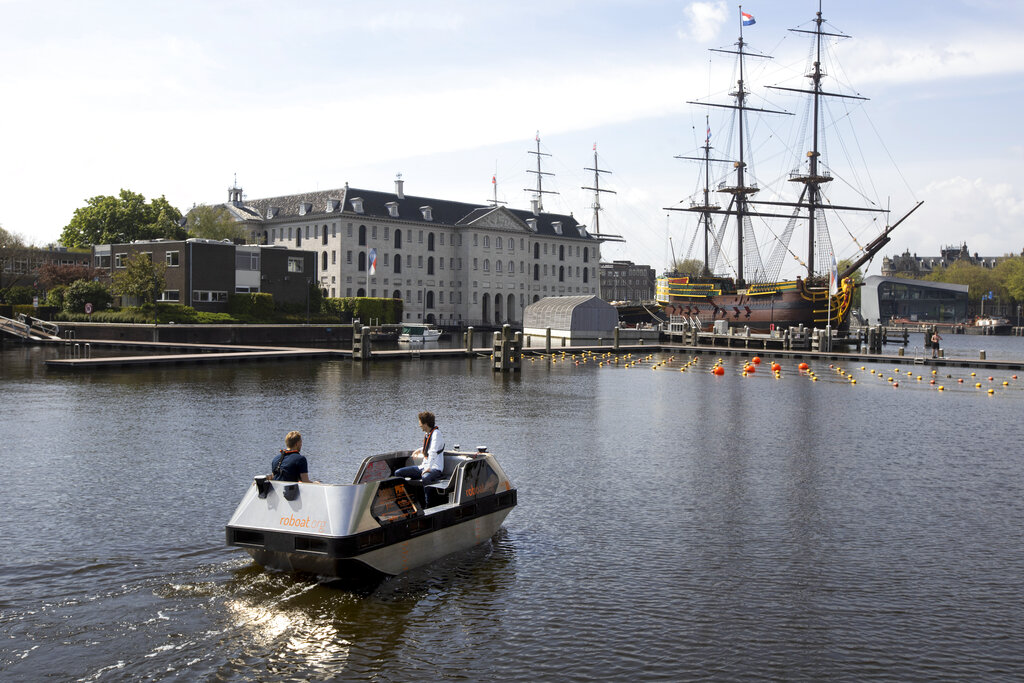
(540, 191)
(705, 208)
(597, 189)
(740, 207)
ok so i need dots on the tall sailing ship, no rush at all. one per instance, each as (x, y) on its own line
(751, 294)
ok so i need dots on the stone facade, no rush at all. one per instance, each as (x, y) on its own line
(452, 263)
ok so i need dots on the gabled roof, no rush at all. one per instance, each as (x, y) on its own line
(375, 206)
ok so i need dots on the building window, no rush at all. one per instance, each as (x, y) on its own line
(419, 261)
(373, 232)
(362, 235)
(430, 265)
(323, 261)
(334, 257)
(348, 256)
(475, 266)
(170, 295)
(171, 258)
(585, 271)
(536, 250)
(295, 265)
(487, 241)
(247, 260)
(487, 265)
(586, 255)
(497, 266)
(398, 238)
(362, 261)
(430, 299)
(536, 271)
(298, 237)
(430, 241)
(420, 237)
(398, 265)
(561, 252)
(561, 273)
(206, 296)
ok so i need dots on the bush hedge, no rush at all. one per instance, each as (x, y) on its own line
(387, 311)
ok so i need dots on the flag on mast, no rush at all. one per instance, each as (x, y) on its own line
(373, 261)
(748, 19)
(833, 277)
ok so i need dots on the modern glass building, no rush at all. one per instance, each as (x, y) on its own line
(884, 299)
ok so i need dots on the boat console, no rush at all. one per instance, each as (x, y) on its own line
(379, 523)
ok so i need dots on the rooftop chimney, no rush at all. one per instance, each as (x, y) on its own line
(535, 206)
(399, 191)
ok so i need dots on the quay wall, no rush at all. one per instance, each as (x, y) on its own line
(255, 335)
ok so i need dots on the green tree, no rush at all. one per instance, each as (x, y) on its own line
(141, 278)
(86, 291)
(214, 223)
(690, 267)
(1011, 274)
(122, 219)
(13, 250)
(979, 280)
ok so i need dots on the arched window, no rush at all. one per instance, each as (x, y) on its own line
(362, 235)
(398, 264)
(536, 250)
(511, 267)
(298, 237)
(497, 308)
(430, 241)
(360, 292)
(325, 235)
(430, 299)
(510, 308)
(323, 261)
(586, 271)
(511, 245)
(485, 307)
(430, 264)
(397, 294)
(561, 252)
(487, 265)
(561, 273)
(536, 271)
(586, 255)
(398, 239)
(362, 261)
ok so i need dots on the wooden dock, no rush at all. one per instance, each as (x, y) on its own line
(173, 354)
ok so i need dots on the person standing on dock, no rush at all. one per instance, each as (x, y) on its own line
(290, 464)
(432, 467)
(935, 343)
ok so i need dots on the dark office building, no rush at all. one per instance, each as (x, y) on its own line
(888, 298)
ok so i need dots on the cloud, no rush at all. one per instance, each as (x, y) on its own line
(705, 19)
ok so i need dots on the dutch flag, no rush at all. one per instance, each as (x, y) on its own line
(748, 19)
(373, 261)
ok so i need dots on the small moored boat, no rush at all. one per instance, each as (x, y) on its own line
(420, 333)
(378, 524)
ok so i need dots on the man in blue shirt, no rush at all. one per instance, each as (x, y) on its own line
(290, 465)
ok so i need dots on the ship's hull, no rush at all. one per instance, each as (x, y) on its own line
(761, 307)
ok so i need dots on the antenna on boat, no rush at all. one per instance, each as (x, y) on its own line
(540, 191)
(597, 189)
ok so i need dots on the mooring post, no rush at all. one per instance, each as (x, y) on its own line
(469, 341)
(615, 338)
(547, 340)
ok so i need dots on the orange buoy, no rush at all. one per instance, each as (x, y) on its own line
(719, 370)
(756, 360)
(776, 367)
(803, 366)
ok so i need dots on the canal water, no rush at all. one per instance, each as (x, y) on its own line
(672, 524)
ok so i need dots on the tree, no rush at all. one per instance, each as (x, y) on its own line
(688, 267)
(979, 280)
(1011, 273)
(214, 223)
(86, 291)
(141, 278)
(122, 219)
(13, 251)
(51, 275)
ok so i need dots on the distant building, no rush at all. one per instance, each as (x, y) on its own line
(884, 299)
(451, 263)
(920, 266)
(204, 273)
(18, 266)
(627, 281)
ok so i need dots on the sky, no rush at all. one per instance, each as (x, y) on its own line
(182, 98)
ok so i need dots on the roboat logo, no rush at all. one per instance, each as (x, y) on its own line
(316, 525)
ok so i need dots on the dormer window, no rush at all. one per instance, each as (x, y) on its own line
(583, 230)
(392, 209)
(557, 226)
(272, 211)
(304, 208)
(532, 222)
(428, 214)
(332, 205)
(357, 204)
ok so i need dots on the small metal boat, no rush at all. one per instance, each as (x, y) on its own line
(418, 333)
(377, 525)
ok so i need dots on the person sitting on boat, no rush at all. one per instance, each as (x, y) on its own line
(290, 464)
(432, 467)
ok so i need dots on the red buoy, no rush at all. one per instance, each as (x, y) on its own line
(756, 360)
(719, 370)
(803, 366)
